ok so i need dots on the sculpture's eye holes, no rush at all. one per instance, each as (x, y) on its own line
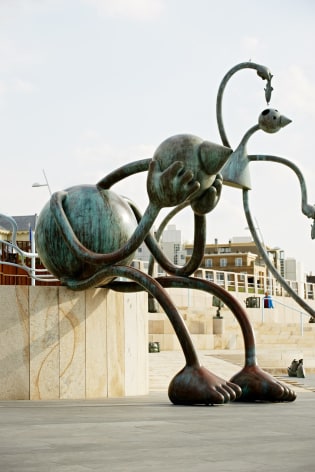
(265, 112)
(274, 117)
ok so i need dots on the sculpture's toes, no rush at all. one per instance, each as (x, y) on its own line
(195, 385)
(258, 385)
(289, 394)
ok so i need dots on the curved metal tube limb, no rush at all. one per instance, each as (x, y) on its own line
(307, 209)
(241, 174)
(256, 384)
(86, 255)
(262, 71)
(156, 290)
(197, 255)
(13, 244)
(122, 172)
(194, 384)
(23, 266)
(161, 228)
(268, 263)
(13, 224)
(231, 302)
(152, 307)
(156, 252)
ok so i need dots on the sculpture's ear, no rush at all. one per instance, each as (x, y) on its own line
(213, 156)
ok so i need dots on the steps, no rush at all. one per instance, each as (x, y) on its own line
(277, 343)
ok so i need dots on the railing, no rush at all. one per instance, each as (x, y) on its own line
(290, 308)
(255, 285)
(20, 265)
(14, 274)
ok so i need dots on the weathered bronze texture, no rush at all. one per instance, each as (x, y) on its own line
(86, 236)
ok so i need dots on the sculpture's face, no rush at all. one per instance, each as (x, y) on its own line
(271, 121)
(203, 158)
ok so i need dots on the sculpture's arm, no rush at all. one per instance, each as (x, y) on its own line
(307, 209)
(157, 253)
(197, 255)
(122, 172)
(262, 71)
(85, 254)
(207, 202)
(268, 263)
(181, 185)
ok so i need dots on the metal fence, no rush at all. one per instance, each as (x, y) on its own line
(20, 266)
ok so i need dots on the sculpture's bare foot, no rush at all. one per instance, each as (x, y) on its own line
(195, 385)
(258, 385)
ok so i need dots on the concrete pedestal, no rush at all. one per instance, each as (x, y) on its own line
(59, 344)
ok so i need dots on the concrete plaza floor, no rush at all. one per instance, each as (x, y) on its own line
(150, 434)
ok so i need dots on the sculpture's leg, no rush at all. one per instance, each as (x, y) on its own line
(256, 384)
(194, 384)
(263, 252)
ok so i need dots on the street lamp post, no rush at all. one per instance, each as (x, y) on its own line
(37, 184)
(33, 262)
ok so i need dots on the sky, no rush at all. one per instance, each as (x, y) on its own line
(87, 86)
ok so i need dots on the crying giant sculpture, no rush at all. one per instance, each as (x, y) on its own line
(86, 236)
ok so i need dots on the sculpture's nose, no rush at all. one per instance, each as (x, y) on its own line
(213, 156)
(284, 121)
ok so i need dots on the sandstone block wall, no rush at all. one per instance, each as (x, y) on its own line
(60, 344)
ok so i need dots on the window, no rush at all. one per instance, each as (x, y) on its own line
(224, 249)
(238, 261)
(220, 278)
(208, 262)
(209, 275)
(223, 262)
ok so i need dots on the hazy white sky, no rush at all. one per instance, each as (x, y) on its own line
(88, 85)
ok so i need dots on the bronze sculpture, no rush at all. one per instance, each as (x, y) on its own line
(86, 237)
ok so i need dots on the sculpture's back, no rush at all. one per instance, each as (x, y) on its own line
(101, 220)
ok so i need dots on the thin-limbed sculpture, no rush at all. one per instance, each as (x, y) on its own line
(86, 236)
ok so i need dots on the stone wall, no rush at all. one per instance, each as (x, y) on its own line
(196, 308)
(60, 344)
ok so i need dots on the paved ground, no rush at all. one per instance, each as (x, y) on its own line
(150, 434)
(164, 365)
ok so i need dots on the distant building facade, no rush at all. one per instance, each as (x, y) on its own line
(239, 255)
(171, 245)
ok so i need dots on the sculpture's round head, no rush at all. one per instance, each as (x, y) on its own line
(203, 158)
(271, 121)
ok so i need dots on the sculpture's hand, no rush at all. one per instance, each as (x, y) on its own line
(209, 199)
(171, 186)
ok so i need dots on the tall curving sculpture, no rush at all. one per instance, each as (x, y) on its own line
(86, 236)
